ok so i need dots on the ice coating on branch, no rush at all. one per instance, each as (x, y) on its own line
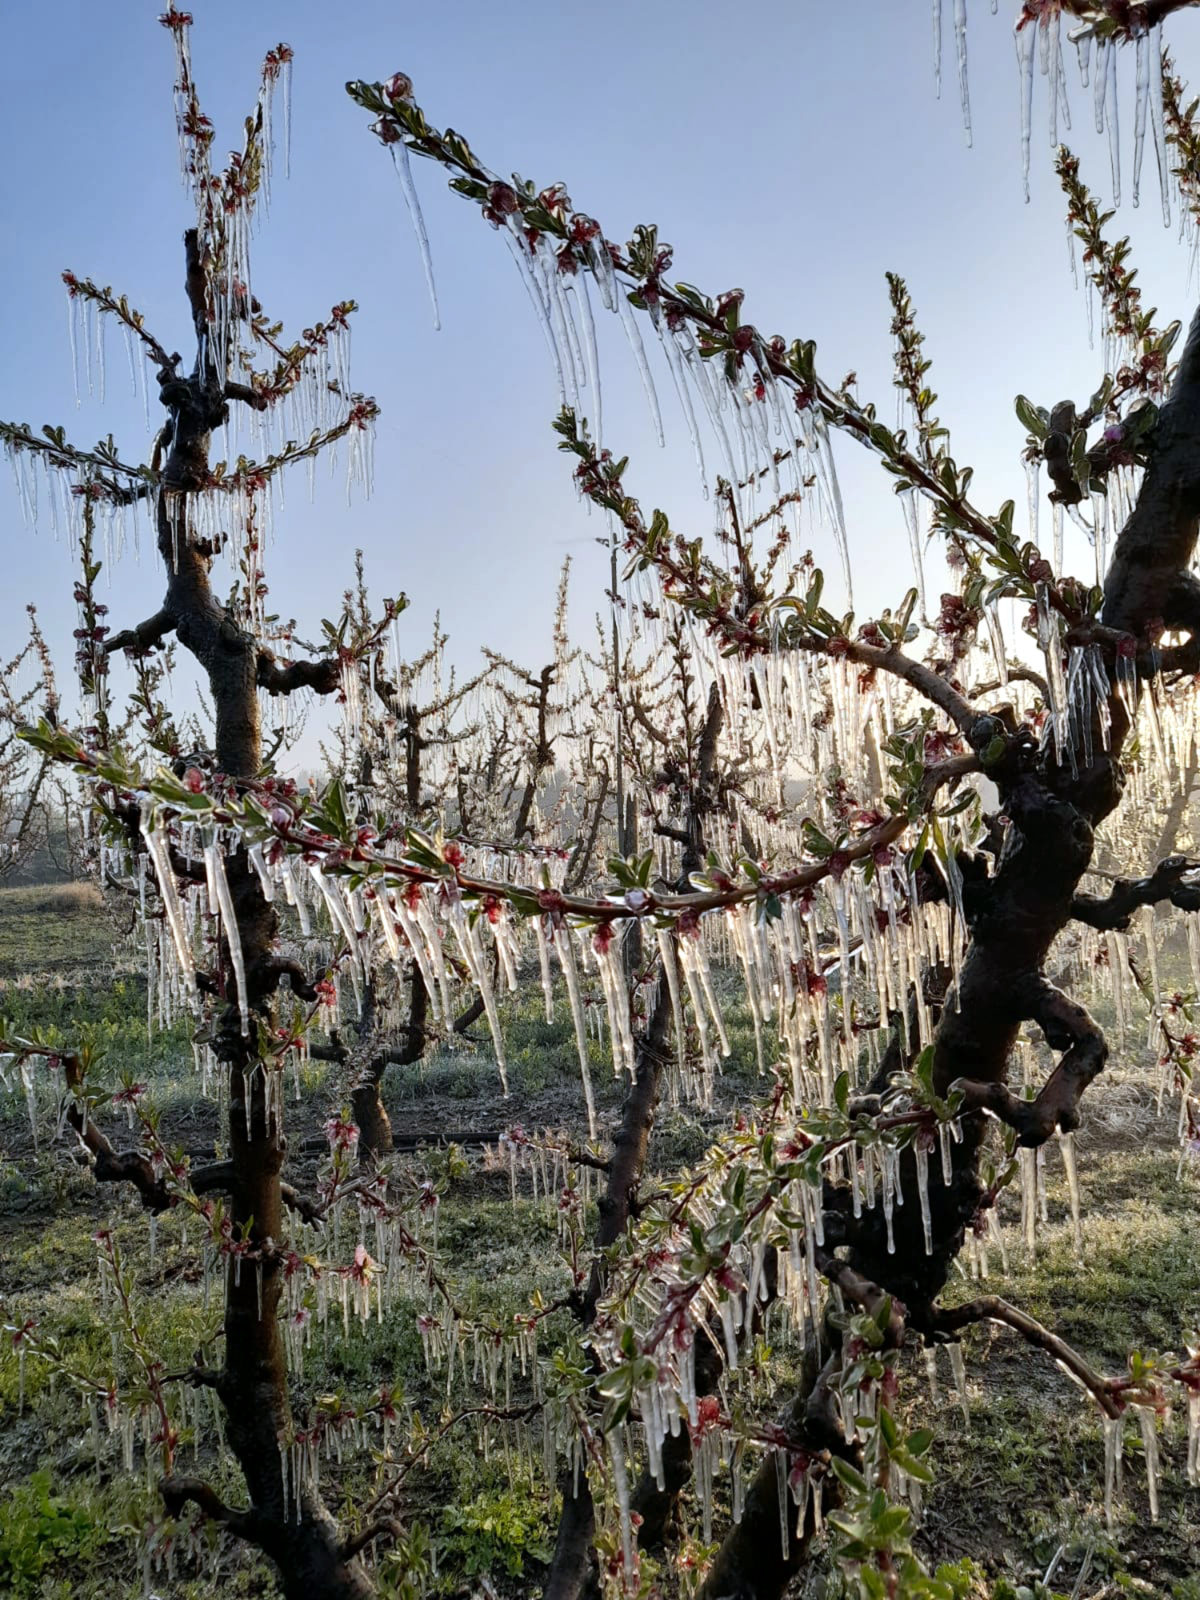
(408, 188)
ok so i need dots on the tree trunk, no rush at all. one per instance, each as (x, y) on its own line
(298, 1534)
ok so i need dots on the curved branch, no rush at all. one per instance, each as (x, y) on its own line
(178, 1492)
(111, 1165)
(322, 677)
(991, 1308)
(890, 658)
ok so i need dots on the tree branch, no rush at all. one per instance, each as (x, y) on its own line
(246, 394)
(108, 1164)
(145, 636)
(322, 677)
(1127, 894)
(179, 1492)
(990, 1308)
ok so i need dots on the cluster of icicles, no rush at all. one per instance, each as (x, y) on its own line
(763, 442)
(1041, 49)
(789, 966)
(224, 207)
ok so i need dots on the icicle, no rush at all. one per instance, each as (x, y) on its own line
(1066, 1145)
(404, 172)
(959, 1373)
(616, 1450)
(214, 865)
(514, 237)
(1146, 1421)
(909, 506)
(931, 1372)
(633, 334)
(544, 964)
(945, 1153)
(1113, 1428)
(1141, 105)
(1158, 125)
(889, 1177)
(578, 285)
(1026, 49)
(937, 48)
(156, 844)
(921, 1156)
(1111, 118)
(1028, 1166)
(960, 43)
(566, 957)
(783, 1499)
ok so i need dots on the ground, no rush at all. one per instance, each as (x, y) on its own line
(1018, 1491)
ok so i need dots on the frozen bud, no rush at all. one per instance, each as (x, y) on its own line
(729, 301)
(387, 131)
(280, 816)
(399, 86)
(193, 780)
(637, 899)
(502, 199)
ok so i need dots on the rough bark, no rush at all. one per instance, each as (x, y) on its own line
(573, 1569)
(301, 1538)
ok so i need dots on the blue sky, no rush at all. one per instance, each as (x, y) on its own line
(790, 147)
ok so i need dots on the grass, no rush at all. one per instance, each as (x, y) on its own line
(50, 931)
(1017, 1493)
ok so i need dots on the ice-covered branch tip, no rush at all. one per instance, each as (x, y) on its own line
(95, 468)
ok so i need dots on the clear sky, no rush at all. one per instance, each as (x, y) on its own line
(794, 148)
